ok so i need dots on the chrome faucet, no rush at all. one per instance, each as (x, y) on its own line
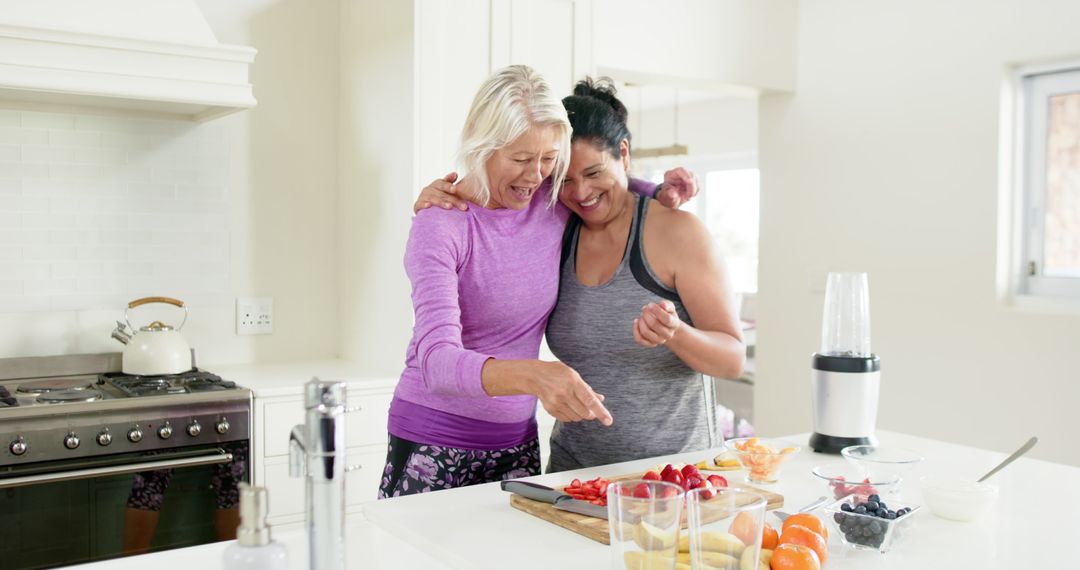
(317, 453)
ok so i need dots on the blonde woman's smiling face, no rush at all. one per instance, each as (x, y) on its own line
(517, 170)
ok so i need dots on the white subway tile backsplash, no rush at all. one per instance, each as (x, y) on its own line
(10, 252)
(75, 138)
(10, 286)
(77, 269)
(48, 121)
(9, 118)
(46, 154)
(95, 211)
(10, 186)
(102, 252)
(9, 135)
(9, 153)
(49, 252)
(24, 270)
(25, 303)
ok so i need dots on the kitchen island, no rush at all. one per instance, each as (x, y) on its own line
(1031, 526)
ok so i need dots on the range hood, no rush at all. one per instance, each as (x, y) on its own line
(150, 58)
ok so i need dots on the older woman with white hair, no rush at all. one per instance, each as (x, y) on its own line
(483, 285)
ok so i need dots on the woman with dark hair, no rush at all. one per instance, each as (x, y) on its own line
(645, 310)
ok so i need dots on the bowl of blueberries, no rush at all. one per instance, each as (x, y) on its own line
(870, 523)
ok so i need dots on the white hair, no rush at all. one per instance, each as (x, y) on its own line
(511, 101)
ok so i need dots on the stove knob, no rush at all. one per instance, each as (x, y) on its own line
(71, 441)
(165, 431)
(134, 435)
(222, 426)
(104, 438)
(18, 447)
(194, 429)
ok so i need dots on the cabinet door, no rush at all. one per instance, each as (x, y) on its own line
(452, 60)
(545, 35)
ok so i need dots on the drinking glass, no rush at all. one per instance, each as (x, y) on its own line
(644, 519)
(725, 528)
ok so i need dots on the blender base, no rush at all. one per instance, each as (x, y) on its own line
(832, 444)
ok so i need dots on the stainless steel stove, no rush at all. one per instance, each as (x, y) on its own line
(76, 425)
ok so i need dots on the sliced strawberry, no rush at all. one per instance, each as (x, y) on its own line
(689, 469)
(575, 483)
(718, 481)
(651, 476)
(642, 491)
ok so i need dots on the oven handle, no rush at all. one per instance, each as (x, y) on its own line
(219, 456)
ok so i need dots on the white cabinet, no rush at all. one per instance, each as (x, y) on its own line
(458, 44)
(365, 436)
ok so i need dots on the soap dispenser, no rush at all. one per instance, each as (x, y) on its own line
(253, 549)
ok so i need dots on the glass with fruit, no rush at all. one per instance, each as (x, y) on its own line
(762, 458)
(644, 517)
(843, 479)
(726, 528)
(870, 523)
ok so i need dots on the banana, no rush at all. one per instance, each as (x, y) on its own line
(650, 537)
(651, 561)
(747, 560)
(714, 541)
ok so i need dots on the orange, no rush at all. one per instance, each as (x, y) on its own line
(745, 528)
(809, 521)
(797, 534)
(794, 557)
(769, 537)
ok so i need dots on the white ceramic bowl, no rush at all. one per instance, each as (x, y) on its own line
(958, 499)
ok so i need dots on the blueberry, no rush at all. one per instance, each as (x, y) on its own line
(874, 498)
(839, 518)
(875, 527)
(881, 505)
(846, 507)
(872, 506)
(860, 510)
(890, 515)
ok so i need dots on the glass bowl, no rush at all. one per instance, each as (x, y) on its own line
(843, 479)
(867, 531)
(958, 499)
(882, 460)
(761, 457)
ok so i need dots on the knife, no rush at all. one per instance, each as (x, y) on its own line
(558, 499)
(534, 491)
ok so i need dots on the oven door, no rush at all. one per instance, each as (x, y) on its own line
(68, 512)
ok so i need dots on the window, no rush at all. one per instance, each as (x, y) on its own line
(1049, 176)
(728, 204)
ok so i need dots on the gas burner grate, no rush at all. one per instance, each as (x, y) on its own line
(185, 382)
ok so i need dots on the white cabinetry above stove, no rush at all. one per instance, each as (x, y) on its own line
(152, 59)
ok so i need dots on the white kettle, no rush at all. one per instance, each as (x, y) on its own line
(154, 349)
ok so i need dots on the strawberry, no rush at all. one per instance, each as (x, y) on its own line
(651, 476)
(575, 483)
(689, 469)
(642, 491)
(717, 481)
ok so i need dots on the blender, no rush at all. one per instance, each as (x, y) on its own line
(845, 376)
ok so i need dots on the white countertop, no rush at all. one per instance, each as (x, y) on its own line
(268, 380)
(475, 527)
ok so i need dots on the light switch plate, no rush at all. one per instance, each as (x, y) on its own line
(254, 315)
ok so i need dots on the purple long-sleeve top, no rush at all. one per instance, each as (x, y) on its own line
(483, 284)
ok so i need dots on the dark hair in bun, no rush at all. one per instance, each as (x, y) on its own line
(596, 115)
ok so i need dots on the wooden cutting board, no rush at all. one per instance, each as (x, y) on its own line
(597, 529)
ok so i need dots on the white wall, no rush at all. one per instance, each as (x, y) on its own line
(377, 175)
(279, 185)
(885, 160)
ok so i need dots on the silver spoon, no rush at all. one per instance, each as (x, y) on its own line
(817, 503)
(1015, 455)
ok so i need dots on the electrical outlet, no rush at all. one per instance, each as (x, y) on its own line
(254, 315)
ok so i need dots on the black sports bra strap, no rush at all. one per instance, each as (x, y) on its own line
(568, 238)
(637, 258)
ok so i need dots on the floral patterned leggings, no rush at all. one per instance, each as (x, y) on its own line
(418, 468)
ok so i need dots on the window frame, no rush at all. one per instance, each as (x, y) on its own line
(1029, 85)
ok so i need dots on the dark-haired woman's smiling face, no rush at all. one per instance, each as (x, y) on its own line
(594, 180)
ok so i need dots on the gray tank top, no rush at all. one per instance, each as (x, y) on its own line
(660, 405)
